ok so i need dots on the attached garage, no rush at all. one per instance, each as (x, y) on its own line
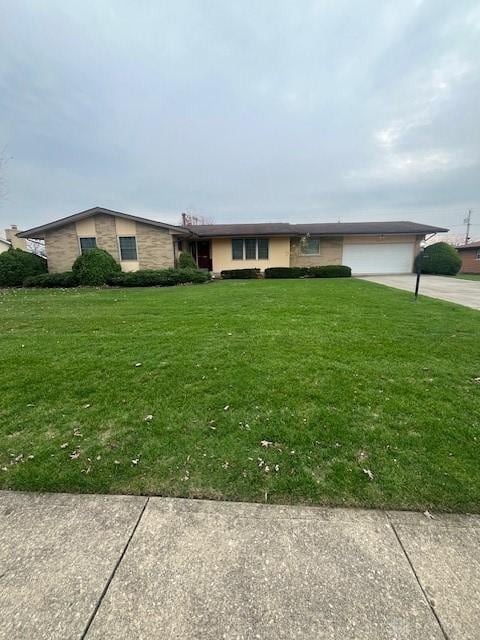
(372, 258)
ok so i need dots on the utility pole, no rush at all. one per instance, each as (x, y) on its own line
(467, 222)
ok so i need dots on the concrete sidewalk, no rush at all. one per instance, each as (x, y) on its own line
(464, 292)
(129, 567)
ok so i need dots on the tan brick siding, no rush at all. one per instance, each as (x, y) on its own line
(470, 264)
(107, 234)
(61, 246)
(330, 253)
(154, 246)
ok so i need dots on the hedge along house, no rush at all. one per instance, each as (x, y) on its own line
(139, 243)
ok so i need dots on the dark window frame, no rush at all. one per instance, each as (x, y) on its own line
(84, 250)
(121, 249)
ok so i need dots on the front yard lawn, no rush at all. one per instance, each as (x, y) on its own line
(337, 392)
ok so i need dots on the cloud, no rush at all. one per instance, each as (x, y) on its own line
(241, 111)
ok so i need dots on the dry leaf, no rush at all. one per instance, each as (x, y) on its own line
(368, 473)
(427, 514)
(138, 364)
(86, 406)
(148, 418)
(266, 443)
(74, 455)
(135, 461)
(226, 407)
(64, 445)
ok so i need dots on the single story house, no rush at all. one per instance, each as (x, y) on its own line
(139, 243)
(470, 255)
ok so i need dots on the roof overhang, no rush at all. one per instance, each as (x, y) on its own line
(39, 232)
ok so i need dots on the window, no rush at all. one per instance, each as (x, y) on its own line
(87, 244)
(478, 254)
(128, 247)
(250, 249)
(237, 249)
(262, 244)
(310, 246)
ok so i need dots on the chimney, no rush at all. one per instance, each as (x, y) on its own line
(11, 236)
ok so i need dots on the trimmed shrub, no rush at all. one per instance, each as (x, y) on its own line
(330, 271)
(16, 265)
(240, 274)
(51, 280)
(441, 259)
(186, 261)
(95, 267)
(158, 278)
(286, 272)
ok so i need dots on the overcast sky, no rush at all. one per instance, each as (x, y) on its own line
(305, 110)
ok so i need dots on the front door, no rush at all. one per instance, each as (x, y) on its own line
(203, 255)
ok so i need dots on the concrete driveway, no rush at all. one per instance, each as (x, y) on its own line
(122, 567)
(465, 292)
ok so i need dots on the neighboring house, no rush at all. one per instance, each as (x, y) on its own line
(11, 240)
(139, 243)
(5, 245)
(470, 255)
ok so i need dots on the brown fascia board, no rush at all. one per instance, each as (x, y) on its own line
(38, 232)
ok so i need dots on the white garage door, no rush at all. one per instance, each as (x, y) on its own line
(379, 258)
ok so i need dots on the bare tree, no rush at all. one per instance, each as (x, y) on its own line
(189, 219)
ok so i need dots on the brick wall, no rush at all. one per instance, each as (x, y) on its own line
(154, 246)
(107, 234)
(470, 264)
(61, 246)
(330, 253)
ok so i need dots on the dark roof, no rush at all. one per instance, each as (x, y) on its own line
(37, 232)
(251, 229)
(471, 245)
(317, 229)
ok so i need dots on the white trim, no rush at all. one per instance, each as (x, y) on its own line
(244, 249)
(306, 255)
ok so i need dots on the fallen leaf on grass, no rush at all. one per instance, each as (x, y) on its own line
(148, 418)
(64, 445)
(74, 455)
(87, 406)
(266, 443)
(77, 433)
(135, 461)
(226, 464)
(138, 364)
(226, 407)
(368, 473)
(427, 514)
(116, 462)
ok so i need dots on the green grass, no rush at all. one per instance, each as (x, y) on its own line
(468, 276)
(339, 375)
